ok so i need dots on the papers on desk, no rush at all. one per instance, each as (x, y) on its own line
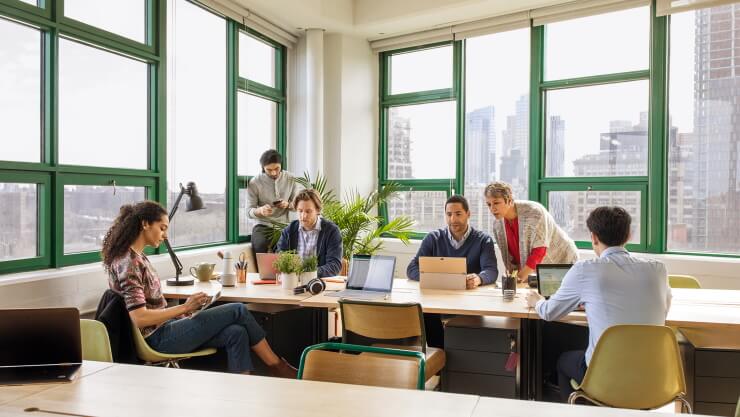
(208, 304)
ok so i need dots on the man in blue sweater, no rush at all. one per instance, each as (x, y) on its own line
(458, 239)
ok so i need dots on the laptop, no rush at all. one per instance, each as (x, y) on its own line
(39, 345)
(549, 278)
(370, 278)
(442, 273)
(265, 265)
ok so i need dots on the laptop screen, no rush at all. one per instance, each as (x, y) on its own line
(549, 277)
(371, 273)
(46, 336)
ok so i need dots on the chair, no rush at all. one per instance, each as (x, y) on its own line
(95, 342)
(329, 362)
(634, 366)
(683, 281)
(401, 325)
(152, 357)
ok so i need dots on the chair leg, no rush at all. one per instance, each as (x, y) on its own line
(574, 396)
(685, 405)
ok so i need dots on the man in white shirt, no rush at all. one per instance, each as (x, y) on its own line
(615, 288)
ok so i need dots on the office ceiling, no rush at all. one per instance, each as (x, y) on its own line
(374, 19)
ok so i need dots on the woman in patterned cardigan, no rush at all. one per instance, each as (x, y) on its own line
(526, 233)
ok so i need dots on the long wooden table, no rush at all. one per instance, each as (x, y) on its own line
(129, 390)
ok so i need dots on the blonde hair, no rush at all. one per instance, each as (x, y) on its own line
(498, 189)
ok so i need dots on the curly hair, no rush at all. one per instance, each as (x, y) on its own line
(126, 228)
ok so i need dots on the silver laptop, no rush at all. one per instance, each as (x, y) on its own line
(549, 278)
(442, 273)
(370, 278)
(39, 345)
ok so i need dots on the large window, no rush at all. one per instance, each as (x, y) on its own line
(704, 135)
(125, 18)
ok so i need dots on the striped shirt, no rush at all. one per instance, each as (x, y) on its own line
(308, 240)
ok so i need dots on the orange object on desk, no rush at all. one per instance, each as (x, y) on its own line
(265, 281)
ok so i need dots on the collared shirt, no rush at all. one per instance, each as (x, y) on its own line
(458, 244)
(307, 240)
(615, 288)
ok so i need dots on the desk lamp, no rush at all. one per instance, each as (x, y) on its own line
(193, 203)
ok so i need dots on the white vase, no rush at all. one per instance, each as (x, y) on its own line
(288, 281)
(307, 276)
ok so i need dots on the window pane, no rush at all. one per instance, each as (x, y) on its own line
(421, 141)
(611, 141)
(704, 140)
(20, 93)
(196, 140)
(602, 44)
(497, 118)
(34, 2)
(19, 221)
(125, 18)
(89, 211)
(427, 208)
(406, 76)
(257, 131)
(256, 60)
(103, 108)
(571, 209)
(245, 224)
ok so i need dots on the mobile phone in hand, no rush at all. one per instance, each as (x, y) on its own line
(276, 202)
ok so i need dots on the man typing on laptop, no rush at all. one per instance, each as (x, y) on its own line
(458, 239)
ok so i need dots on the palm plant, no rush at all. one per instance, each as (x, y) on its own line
(360, 228)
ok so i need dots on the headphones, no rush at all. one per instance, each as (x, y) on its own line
(315, 286)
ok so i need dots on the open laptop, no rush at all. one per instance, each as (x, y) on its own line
(265, 266)
(549, 278)
(39, 345)
(370, 278)
(442, 273)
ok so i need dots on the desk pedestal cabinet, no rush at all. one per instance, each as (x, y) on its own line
(477, 349)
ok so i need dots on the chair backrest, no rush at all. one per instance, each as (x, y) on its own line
(95, 342)
(143, 351)
(383, 321)
(392, 368)
(683, 281)
(635, 366)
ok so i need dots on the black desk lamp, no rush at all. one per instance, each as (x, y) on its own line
(193, 203)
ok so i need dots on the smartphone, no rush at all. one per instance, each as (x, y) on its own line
(276, 202)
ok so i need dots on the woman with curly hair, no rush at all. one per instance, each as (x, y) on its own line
(172, 329)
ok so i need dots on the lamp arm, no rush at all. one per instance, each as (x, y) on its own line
(175, 259)
(183, 190)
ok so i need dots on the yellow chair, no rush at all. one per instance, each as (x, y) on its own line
(400, 323)
(382, 369)
(95, 341)
(683, 281)
(152, 357)
(634, 366)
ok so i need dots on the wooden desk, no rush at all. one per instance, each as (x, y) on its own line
(243, 293)
(128, 390)
(501, 407)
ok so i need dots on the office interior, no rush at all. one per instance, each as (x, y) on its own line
(576, 104)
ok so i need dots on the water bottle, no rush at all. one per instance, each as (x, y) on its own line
(228, 276)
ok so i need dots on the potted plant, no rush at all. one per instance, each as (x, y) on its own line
(309, 269)
(289, 265)
(356, 216)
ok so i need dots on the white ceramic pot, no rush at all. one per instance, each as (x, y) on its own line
(307, 276)
(288, 281)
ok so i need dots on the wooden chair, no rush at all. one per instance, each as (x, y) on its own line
(400, 325)
(152, 357)
(95, 341)
(634, 366)
(331, 362)
(683, 281)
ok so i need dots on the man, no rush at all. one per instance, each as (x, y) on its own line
(268, 199)
(312, 235)
(615, 288)
(458, 239)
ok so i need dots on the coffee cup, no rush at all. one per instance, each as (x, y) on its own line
(202, 271)
(508, 287)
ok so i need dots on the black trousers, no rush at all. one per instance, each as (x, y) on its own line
(571, 365)
(260, 242)
(434, 330)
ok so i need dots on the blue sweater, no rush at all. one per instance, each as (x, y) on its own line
(328, 247)
(477, 249)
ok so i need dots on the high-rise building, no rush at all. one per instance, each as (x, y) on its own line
(515, 152)
(480, 141)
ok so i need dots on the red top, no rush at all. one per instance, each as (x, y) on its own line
(512, 242)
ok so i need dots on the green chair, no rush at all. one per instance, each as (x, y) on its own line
(683, 281)
(152, 357)
(634, 366)
(330, 362)
(95, 342)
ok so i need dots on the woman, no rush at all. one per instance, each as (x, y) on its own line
(312, 235)
(171, 329)
(526, 233)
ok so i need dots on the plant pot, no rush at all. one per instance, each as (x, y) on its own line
(307, 276)
(288, 281)
(345, 267)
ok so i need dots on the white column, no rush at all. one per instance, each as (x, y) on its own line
(313, 160)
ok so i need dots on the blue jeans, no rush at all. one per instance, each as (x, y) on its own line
(229, 326)
(571, 365)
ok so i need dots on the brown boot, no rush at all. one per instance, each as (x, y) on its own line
(283, 370)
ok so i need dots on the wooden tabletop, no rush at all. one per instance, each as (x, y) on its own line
(244, 293)
(502, 407)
